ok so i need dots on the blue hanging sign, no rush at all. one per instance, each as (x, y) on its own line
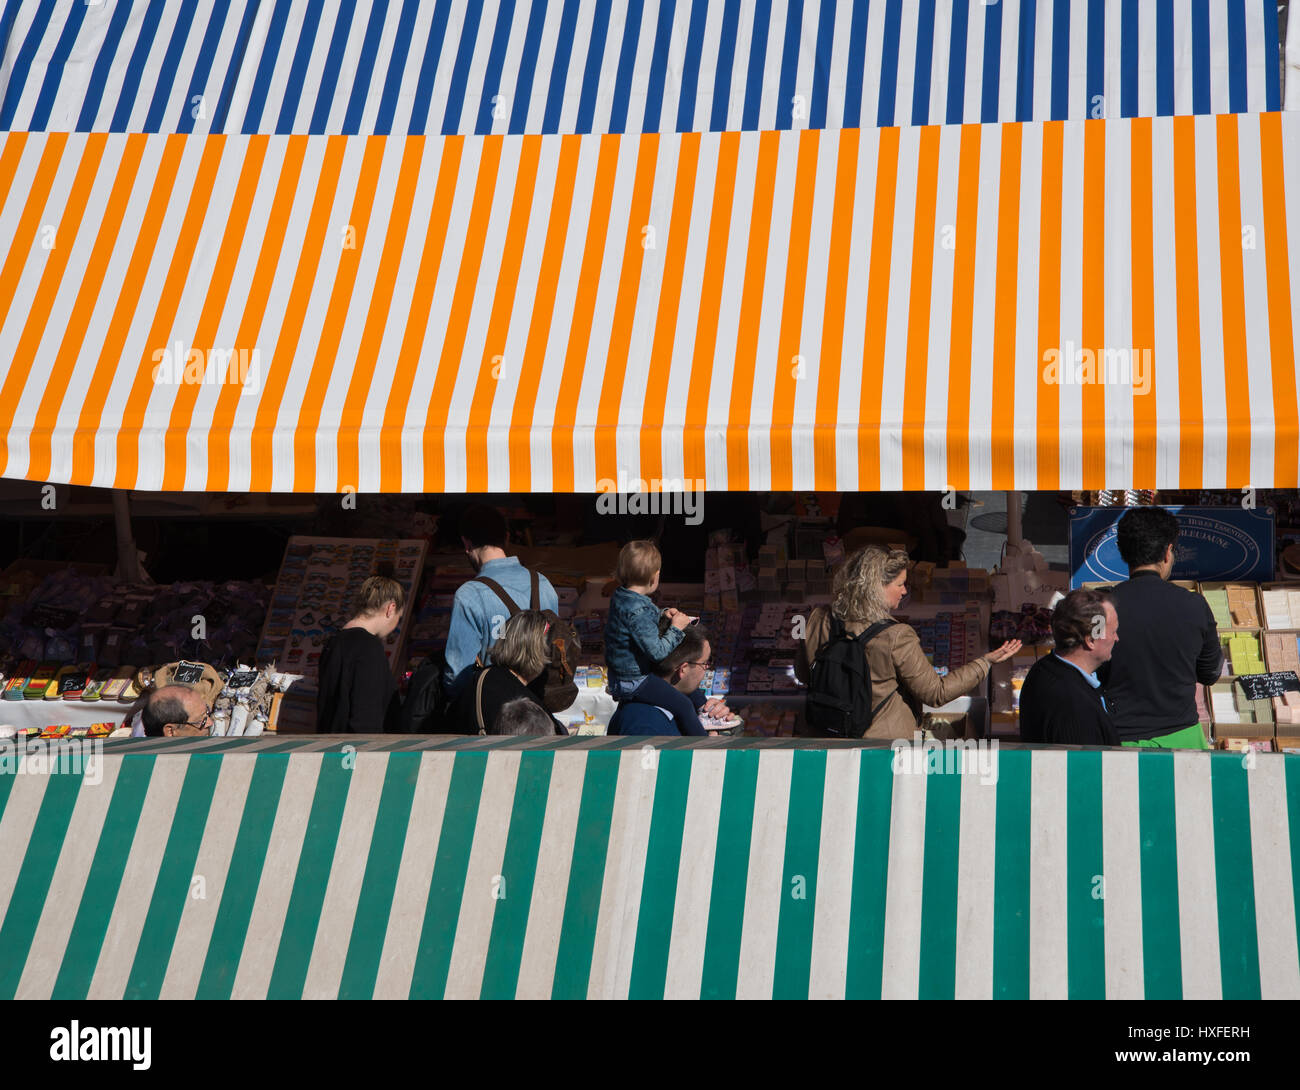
(1215, 543)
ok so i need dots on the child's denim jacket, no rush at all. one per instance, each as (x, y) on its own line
(632, 641)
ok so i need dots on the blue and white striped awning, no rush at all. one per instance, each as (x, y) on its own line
(590, 66)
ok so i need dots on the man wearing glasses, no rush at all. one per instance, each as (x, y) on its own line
(683, 668)
(176, 711)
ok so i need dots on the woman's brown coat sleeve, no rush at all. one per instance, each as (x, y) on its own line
(918, 677)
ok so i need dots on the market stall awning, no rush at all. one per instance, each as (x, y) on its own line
(265, 868)
(1042, 305)
(447, 68)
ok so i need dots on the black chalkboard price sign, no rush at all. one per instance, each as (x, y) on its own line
(1263, 686)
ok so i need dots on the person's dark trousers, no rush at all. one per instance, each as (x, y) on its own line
(656, 691)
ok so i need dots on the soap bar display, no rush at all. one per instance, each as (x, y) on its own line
(1286, 709)
(1282, 651)
(1234, 605)
(1230, 706)
(1281, 607)
(1242, 653)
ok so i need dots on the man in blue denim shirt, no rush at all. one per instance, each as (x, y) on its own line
(477, 613)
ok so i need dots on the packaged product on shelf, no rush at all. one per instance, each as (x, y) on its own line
(1282, 651)
(1232, 712)
(1234, 605)
(1244, 745)
(1281, 605)
(1242, 653)
(1286, 710)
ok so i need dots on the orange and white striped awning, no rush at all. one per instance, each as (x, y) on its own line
(839, 309)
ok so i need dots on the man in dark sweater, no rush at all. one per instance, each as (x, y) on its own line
(1170, 641)
(1062, 701)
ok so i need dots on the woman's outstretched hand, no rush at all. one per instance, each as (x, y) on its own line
(1004, 652)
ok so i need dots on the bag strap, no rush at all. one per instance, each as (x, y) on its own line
(875, 630)
(535, 600)
(478, 700)
(493, 585)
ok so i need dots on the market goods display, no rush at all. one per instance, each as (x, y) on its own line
(1032, 625)
(314, 594)
(248, 702)
(1281, 607)
(1242, 653)
(1286, 710)
(1233, 604)
(1282, 650)
(1230, 706)
(69, 618)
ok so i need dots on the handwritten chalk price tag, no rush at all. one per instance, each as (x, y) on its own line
(187, 673)
(1264, 686)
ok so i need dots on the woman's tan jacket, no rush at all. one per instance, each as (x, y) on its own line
(901, 676)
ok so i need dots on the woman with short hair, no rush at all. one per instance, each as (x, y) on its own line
(519, 656)
(868, 587)
(357, 691)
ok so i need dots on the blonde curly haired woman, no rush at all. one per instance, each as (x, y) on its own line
(868, 587)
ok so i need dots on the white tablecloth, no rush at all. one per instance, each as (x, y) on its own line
(76, 713)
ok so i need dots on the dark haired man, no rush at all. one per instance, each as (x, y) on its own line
(683, 668)
(1062, 701)
(478, 612)
(1170, 640)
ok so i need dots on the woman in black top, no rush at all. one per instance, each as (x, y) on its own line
(358, 693)
(518, 657)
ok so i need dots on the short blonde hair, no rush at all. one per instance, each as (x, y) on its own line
(523, 645)
(857, 593)
(637, 563)
(376, 592)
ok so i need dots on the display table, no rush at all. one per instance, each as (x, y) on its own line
(78, 714)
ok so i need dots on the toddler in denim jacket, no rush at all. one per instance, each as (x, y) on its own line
(632, 640)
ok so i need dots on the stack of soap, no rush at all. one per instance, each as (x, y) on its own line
(1243, 651)
(1241, 605)
(1282, 650)
(1286, 708)
(1282, 608)
(1223, 705)
(1218, 602)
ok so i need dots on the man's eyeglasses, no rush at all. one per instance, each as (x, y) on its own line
(707, 665)
(203, 724)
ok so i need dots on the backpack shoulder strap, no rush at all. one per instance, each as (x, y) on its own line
(877, 628)
(494, 586)
(535, 601)
(478, 701)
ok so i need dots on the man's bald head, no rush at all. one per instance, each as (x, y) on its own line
(173, 710)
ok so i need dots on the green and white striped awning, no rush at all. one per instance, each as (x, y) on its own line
(484, 868)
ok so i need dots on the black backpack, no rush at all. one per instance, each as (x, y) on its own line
(839, 688)
(426, 703)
